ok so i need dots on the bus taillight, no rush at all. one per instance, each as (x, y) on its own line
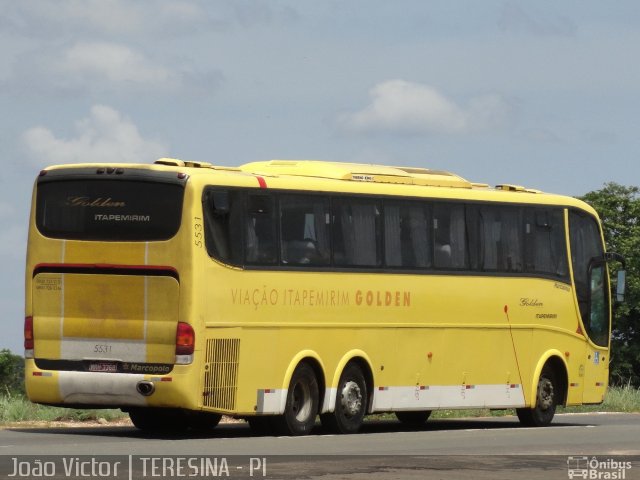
(28, 337)
(185, 343)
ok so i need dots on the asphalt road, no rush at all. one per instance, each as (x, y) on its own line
(479, 448)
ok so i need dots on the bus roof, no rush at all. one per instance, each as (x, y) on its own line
(355, 178)
(358, 172)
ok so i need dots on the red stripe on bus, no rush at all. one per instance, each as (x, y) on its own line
(262, 182)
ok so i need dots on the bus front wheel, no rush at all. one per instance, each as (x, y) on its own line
(351, 402)
(546, 401)
(301, 407)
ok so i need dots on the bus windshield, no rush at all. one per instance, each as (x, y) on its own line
(117, 210)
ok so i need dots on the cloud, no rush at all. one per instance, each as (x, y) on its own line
(115, 63)
(114, 17)
(139, 18)
(105, 136)
(105, 66)
(398, 106)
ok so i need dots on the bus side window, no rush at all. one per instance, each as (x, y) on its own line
(223, 229)
(545, 250)
(450, 239)
(598, 305)
(357, 232)
(495, 238)
(304, 230)
(511, 256)
(407, 238)
(260, 233)
(491, 234)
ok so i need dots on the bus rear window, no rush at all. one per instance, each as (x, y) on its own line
(116, 210)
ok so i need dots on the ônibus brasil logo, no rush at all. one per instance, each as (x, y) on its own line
(595, 468)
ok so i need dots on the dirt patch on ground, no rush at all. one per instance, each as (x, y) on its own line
(100, 422)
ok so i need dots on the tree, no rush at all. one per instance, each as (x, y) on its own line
(11, 372)
(619, 209)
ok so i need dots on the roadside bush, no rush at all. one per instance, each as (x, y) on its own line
(11, 373)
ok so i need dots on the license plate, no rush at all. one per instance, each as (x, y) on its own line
(103, 367)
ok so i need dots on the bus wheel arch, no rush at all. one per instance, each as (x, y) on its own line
(365, 366)
(364, 362)
(352, 399)
(313, 360)
(304, 387)
(549, 390)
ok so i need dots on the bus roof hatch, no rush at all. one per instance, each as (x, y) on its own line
(358, 172)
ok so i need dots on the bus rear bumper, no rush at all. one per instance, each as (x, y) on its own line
(106, 390)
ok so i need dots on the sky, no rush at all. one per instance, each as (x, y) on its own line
(543, 94)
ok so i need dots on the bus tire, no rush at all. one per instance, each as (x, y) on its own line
(203, 421)
(413, 418)
(547, 396)
(301, 407)
(260, 425)
(351, 402)
(161, 420)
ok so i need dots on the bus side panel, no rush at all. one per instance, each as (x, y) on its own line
(596, 376)
(545, 322)
(428, 348)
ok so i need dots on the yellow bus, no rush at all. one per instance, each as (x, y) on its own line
(283, 290)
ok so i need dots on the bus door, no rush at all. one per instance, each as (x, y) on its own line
(590, 278)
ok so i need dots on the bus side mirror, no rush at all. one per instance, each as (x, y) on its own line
(621, 285)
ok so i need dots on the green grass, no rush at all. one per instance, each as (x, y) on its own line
(17, 408)
(617, 399)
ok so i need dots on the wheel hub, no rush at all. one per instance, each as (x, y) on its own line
(351, 398)
(545, 394)
(301, 405)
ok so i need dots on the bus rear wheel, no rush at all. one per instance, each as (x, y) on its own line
(301, 407)
(161, 420)
(260, 425)
(203, 421)
(351, 402)
(547, 394)
(414, 418)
